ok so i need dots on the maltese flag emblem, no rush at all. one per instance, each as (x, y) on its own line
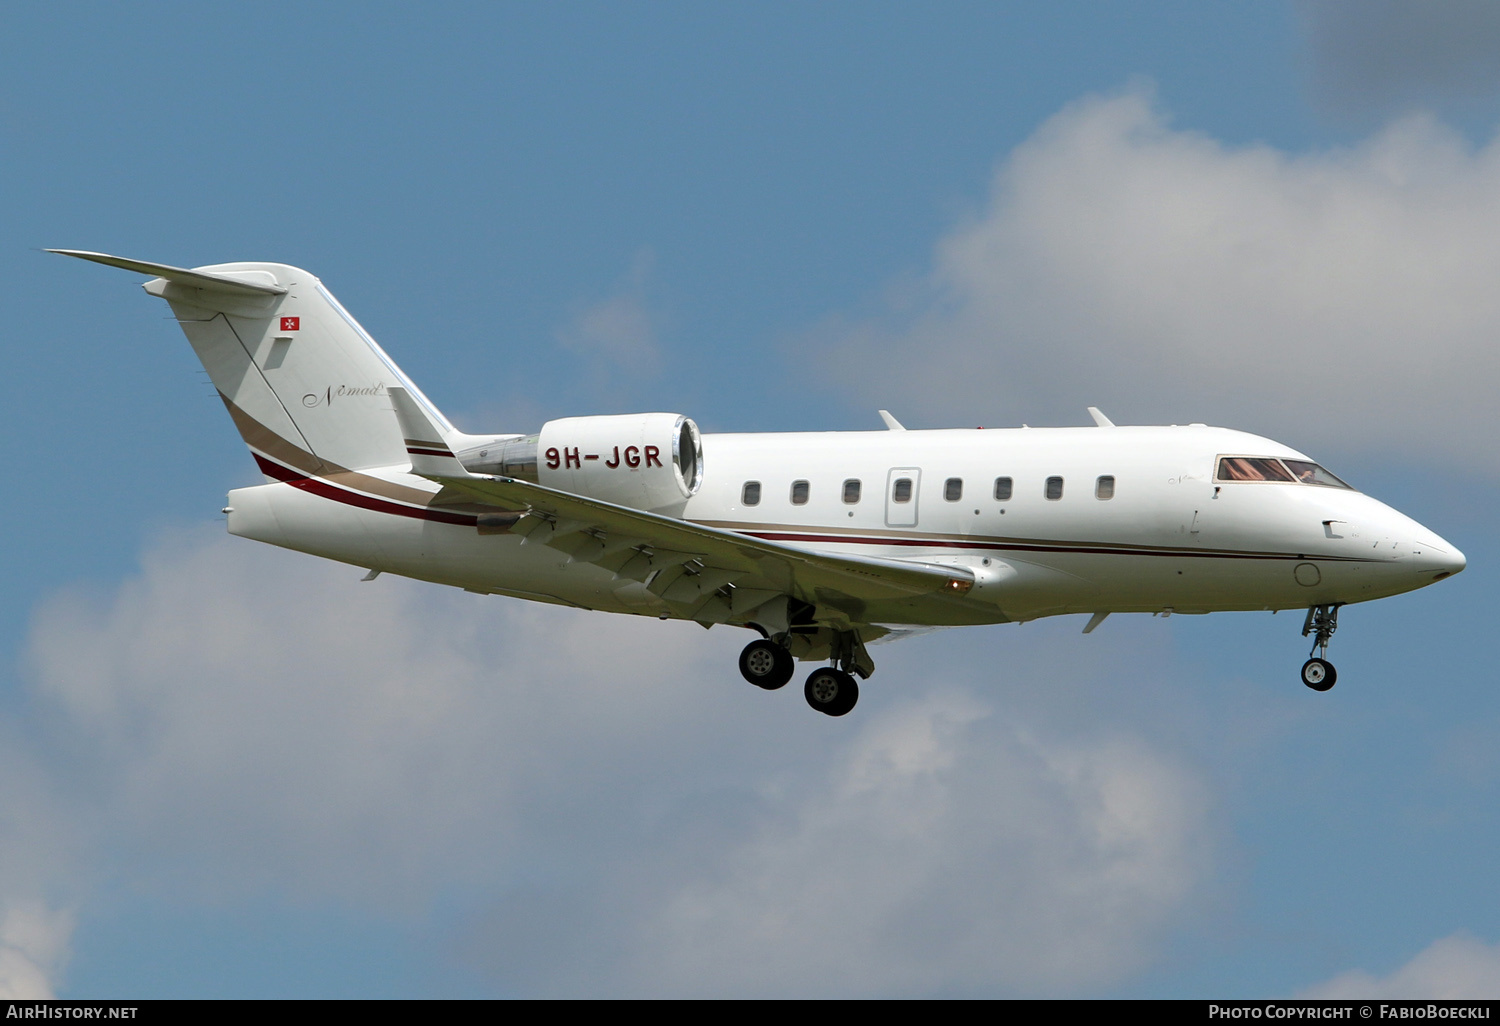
(291, 323)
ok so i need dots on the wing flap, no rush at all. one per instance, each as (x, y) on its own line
(669, 548)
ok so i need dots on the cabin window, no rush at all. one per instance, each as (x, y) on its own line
(901, 490)
(750, 494)
(953, 489)
(1104, 488)
(1311, 473)
(1252, 468)
(1002, 489)
(1054, 488)
(799, 493)
(851, 491)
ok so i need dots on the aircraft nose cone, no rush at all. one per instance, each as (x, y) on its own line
(1438, 559)
(1452, 562)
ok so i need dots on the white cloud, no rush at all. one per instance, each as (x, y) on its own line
(1460, 967)
(240, 721)
(938, 850)
(943, 850)
(257, 717)
(621, 327)
(1340, 299)
(33, 946)
(43, 840)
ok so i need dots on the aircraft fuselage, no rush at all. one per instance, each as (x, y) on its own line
(1138, 524)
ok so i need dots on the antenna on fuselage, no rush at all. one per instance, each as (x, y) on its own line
(1100, 418)
(891, 423)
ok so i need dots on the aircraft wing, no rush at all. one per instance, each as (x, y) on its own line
(709, 574)
(684, 563)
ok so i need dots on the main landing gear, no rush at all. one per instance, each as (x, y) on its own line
(766, 664)
(1318, 673)
(832, 690)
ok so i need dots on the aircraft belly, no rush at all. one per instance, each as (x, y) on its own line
(1027, 585)
(1191, 584)
(1021, 584)
(1010, 584)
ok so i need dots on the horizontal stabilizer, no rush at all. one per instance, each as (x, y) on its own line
(180, 275)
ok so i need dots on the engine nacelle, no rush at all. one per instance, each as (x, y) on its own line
(651, 461)
(648, 461)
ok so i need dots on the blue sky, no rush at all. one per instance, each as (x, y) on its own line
(231, 771)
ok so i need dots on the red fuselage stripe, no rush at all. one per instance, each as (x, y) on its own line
(327, 490)
(1007, 546)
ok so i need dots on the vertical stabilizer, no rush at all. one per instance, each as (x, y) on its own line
(305, 384)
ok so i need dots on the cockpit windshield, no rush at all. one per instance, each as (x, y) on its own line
(1264, 468)
(1310, 473)
(1252, 468)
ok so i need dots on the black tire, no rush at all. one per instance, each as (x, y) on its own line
(831, 692)
(1319, 674)
(766, 665)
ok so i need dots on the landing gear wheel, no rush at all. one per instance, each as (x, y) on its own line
(831, 691)
(1321, 622)
(1319, 674)
(766, 664)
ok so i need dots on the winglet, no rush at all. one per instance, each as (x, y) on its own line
(891, 423)
(180, 275)
(430, 454)
(1100, 418)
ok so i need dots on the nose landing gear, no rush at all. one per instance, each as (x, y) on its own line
(1318, 673)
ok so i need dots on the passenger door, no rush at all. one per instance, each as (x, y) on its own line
(902, 489)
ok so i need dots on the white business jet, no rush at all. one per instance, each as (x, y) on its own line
(818, 542)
